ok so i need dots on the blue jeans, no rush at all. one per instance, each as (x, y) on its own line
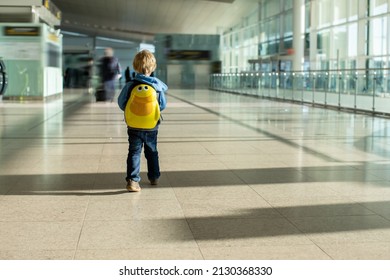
(137, 139)
(109, 88)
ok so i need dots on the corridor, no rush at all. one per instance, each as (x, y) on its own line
(242, 178)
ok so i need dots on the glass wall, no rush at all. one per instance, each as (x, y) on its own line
(240, 44)
(339, 34)
(359, 90)
(266, 33)
(353, 33)
(346, 55)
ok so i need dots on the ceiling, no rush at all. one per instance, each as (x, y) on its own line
(140, 20)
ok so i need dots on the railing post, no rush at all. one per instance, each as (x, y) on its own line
(259, 82)
(263, 83)
(356, 89)
(292, 85)
(339, 90)
(313, 87)
(269, 84)
(303, 83)
(373, 93)
(326, 88)
(284, 86)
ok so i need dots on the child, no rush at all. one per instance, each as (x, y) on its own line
(144, 64)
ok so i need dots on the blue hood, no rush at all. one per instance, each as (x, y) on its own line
(158, 85)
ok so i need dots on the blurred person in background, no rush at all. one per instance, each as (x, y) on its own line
(110, 71)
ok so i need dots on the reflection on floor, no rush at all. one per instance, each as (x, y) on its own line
(243, 178)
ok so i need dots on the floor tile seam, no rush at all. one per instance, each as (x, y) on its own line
(79, 101)
(130, 249)
(134, 246)
(330, 216)
(151, 247)
(43, 221)
(189, 154)
(373, 172)
(374, 211)
(259, 245)
(129, 200)
(187, 222)
(212, 138)
(336, 197)
(278, 208)
(339, 216)
(194, 239)
(53, 222)
(322, 247)
(90, 220)
(266, 200)
(81, 229)
(306, 235)
(352, 242)
(33, 250)
(336, 200)
(342, 192)
(269, 247)
(278, 180)
(312, 235)
(253, 218)
(227, 168)
(319, 177)
(208, 150)
(286, 218)
(385, 217)
(99, 164)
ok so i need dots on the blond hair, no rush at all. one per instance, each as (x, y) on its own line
(109, 52)
(144, 62)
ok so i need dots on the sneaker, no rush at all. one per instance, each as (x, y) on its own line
(133, 186)
(153, 181)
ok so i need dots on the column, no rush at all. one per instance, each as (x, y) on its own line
(299, 34)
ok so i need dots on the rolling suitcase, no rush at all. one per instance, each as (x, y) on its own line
(100, 94)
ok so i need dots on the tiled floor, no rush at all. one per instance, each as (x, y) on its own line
(242, 178)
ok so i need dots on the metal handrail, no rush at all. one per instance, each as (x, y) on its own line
(357, 89)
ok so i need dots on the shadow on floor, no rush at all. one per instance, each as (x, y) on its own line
(246, 223)
(56, 183)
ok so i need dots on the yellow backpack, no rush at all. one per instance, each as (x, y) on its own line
(142, 109)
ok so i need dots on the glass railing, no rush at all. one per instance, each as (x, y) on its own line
(365, 90)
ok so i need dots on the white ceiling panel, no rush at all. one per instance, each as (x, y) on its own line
(142, 19)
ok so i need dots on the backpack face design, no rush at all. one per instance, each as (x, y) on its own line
(142, 109)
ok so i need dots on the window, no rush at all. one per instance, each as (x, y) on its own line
(340, 11)
(325, 9)
(352, 39)
(378, 36)
(378, 7)
(340, 41)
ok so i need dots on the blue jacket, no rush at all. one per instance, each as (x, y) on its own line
(157, 84)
